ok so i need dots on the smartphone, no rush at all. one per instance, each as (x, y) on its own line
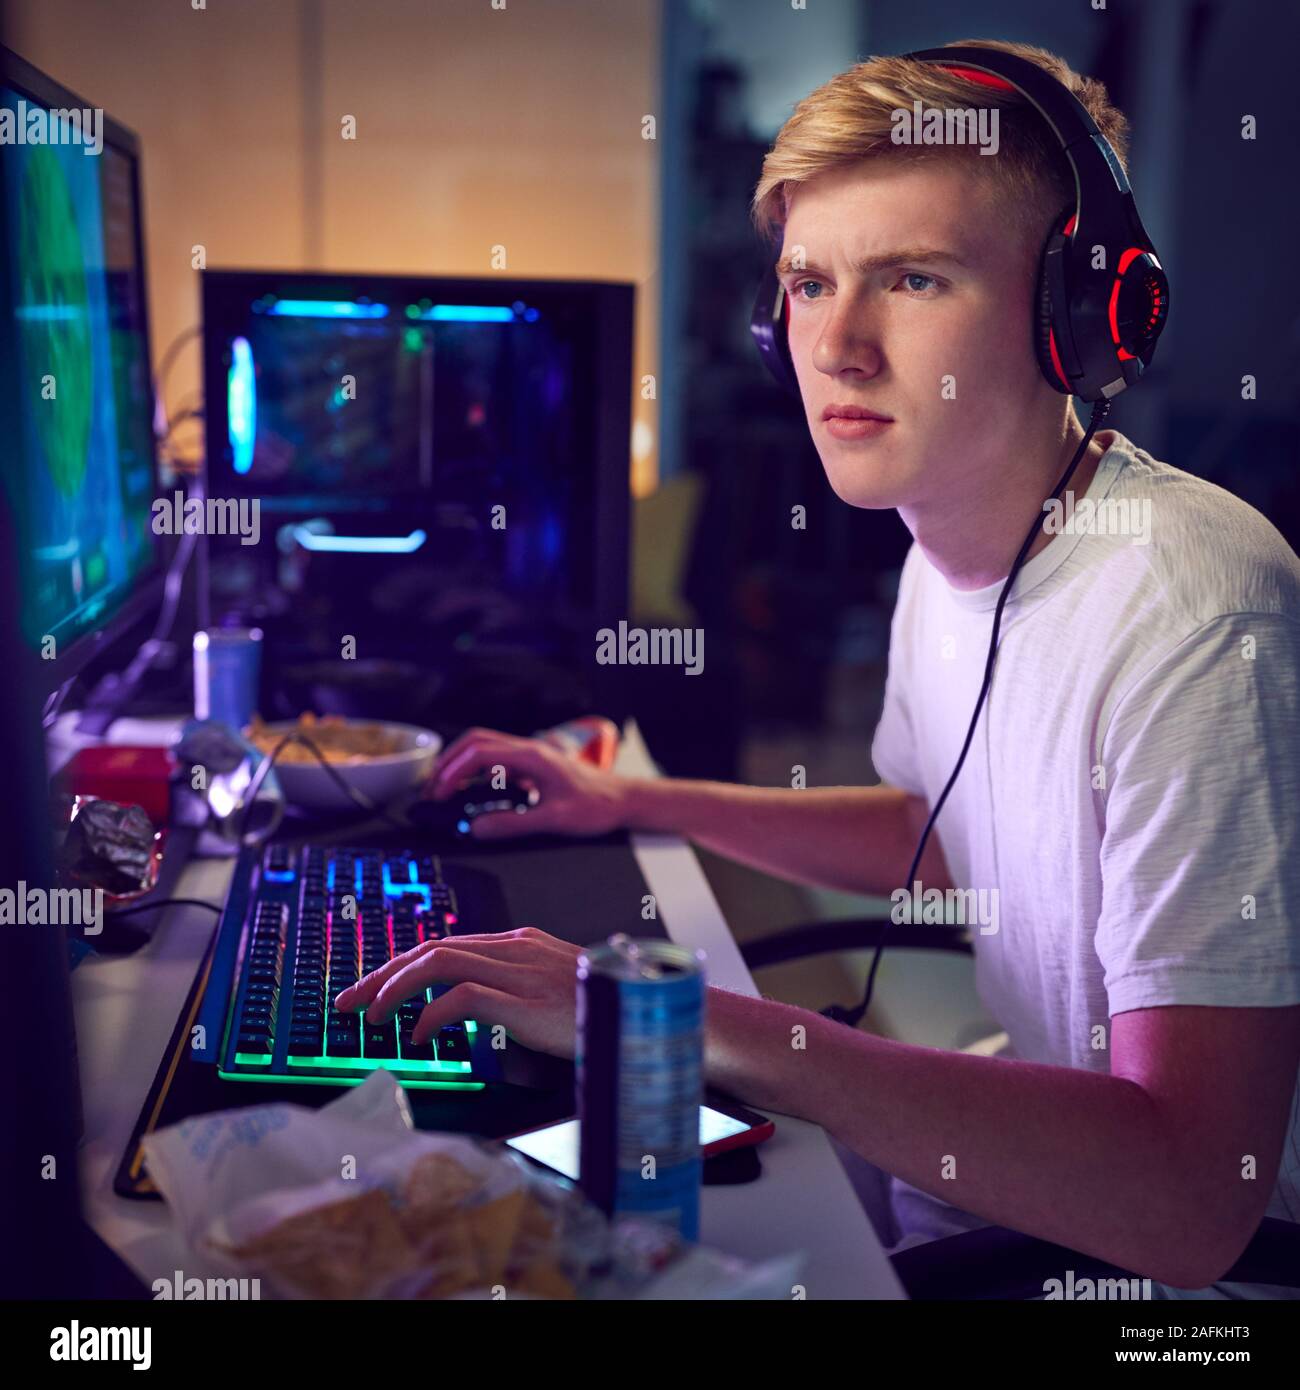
(723, 1126)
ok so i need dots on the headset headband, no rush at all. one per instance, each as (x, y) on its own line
(1067, 116)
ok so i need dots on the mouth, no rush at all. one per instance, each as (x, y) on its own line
(854, 412)
(854, 422)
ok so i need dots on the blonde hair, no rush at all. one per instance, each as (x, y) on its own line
(849, 119)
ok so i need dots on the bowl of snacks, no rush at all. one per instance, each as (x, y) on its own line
(380, 761)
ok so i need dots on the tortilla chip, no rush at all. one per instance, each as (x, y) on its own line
(493, 1227)
(436, 1184)
(543, 1279)
(345, 1249)
(450, 1251)
(363, 1246)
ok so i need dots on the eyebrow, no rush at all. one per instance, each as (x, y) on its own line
(868, 265)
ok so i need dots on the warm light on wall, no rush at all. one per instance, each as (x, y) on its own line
(645, 471)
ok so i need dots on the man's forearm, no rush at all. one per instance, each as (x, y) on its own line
(855, 839)
(1071, 1156)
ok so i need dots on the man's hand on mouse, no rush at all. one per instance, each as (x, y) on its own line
(575, 798)
(525, 980)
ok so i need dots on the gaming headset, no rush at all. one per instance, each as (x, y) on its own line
(1095, 327)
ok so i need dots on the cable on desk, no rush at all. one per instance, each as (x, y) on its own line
(359, 798)
(166, 902)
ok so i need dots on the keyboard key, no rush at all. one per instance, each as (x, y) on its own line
(380, 1042)
(453, 1045)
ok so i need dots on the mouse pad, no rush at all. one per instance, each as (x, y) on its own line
(579, 890)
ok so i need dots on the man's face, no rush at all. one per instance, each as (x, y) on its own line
(913, 302)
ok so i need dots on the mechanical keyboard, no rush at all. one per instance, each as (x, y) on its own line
(312, 921)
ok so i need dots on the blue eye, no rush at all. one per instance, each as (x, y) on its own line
(807, 285)
(916, 275)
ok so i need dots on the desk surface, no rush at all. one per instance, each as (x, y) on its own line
(126, 1008)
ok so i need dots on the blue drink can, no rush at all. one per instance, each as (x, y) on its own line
(227, 663)
(640, 1070)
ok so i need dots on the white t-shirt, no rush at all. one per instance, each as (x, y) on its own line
(1132, 791)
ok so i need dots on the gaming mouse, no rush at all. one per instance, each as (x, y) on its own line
(456, 815)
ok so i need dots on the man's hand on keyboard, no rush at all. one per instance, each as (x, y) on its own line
(575, 798)
(524, 980)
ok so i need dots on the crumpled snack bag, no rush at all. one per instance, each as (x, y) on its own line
(424, 1216)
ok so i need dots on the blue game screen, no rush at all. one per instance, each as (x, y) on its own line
(83, 477)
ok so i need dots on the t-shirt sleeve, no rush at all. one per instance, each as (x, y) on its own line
(1200, 854)
(894, 748)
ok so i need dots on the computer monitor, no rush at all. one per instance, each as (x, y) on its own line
(76, 564)
(441, 464)
(76, 398)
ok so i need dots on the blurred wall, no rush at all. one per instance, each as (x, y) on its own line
(475, 127)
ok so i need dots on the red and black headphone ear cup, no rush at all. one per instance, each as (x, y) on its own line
(1044, 343)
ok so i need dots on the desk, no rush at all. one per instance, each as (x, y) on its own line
(126, 1008)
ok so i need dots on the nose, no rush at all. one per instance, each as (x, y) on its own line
(849, 341)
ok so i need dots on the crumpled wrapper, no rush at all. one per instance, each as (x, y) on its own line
(351, 1201)
(108, 845)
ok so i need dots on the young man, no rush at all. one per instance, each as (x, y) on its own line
(1132, 786)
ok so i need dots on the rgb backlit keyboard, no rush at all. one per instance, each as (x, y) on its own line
(317, 920)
